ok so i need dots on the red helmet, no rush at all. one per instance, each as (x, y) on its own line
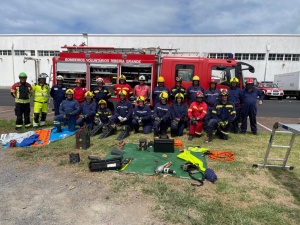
(224, 92)
(78, 81)
(178, 79)
(213, 81)
(199, 94)
(249, 81)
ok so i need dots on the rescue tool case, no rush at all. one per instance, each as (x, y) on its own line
(164, 145)
(83, 138)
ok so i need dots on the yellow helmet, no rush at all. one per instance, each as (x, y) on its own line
(140, 99)
(196, 78)
(88, 94)
(163, 95)
(160, 80)
(122, 77)
(69, 92)
(179, 95)
(234, 79)
(122, 92)
(102, 102)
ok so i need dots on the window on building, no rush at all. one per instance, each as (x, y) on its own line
(20, 52)
(295, 57)
(0, 52)
(220, 56)
(245, 56)
(261, 56)
(272, 57)
(6, 52)
(288, 57)
(186, 72)
(56, 53)
(238, 56)
(279, 57)
(253, 56)
(212, 55)
(32, 53)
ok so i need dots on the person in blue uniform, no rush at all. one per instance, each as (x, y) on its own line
(159, 89)
(211, 97)
(178, 115)
(178, 88)
(101, 92)
(142, 116)
(161, 115)
(58, 93)
(192, 90)
(87, 111)
(103, 114)
(249, 108)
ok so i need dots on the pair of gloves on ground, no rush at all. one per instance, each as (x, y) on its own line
(122, 119)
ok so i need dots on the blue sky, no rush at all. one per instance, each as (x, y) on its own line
(150, 17)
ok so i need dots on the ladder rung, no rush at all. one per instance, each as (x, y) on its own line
(283, 132)
(280, 146)
(275, 159)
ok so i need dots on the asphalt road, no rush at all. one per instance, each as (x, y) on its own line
(287, 108)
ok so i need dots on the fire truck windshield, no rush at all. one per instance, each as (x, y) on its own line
(223, 74)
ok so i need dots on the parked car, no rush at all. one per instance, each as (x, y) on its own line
(271, 90)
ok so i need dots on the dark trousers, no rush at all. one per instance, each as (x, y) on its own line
(249, 110)
(147, 126)
(221, 131)
(22, 109)
(61, 119)
(178, 130)
(56, 107)
(89, 122)
(160, 128)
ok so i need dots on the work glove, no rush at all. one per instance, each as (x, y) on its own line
(137, 118)
(124, 119)
(175, 123)
(97, 120)
(194, 120)
(157, 119)
(120, 118)
(140, 122)
(223, 123)
(82, 116)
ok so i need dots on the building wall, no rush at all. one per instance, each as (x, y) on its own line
(12, 65)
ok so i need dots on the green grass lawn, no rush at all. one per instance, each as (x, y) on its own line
(241, 195)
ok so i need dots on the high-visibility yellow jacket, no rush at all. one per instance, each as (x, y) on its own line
(41, 93)
(21, 92)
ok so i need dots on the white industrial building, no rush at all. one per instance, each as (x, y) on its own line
(269, 54)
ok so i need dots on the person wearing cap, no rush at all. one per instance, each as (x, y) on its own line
(196, 113)
(103, 113)
(68, 110)
(41, 94)
(87, 111)
(123, 111)
(58, 92)
(193, 89)
(101, 92)
(159, 89)
(142, 89)
(123, 86)
(222, 114)
(161, 115)
(21, 91)
(178, 115)
(249, 99)
(142, 116)
(79, 91)
(235, 97)
(178, 88)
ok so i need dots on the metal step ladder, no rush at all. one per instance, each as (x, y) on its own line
(293, 129)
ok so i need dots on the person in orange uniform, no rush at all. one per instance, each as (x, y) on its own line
(142, 89)
(79, 91)
(123, 86)
(196, 114)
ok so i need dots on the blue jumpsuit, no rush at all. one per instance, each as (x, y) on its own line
(123, 109)
(157, 91)
(68, 106)
(88, 110)
(211, 97)
(191, 93)
(163, 112)
(249, 108)
(178, 113)
(143, 114)
(58, 94)
(175, 91)
(104, 115)
(235, 97)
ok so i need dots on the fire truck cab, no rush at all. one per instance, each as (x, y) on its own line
(89, 63)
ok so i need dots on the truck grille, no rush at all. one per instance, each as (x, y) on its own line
(275, 93)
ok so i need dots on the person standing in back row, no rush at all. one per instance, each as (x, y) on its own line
(58, 93)
(178, 89)
(142, 89)
(79, 91)
(159, 89)
(192, 90)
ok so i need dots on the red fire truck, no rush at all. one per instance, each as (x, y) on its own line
(89, 63)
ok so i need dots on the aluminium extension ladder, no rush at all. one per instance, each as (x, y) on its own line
(294, 129)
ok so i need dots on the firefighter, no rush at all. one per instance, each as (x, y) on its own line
(142, 89)
(248, 99)
(159, 89)
(142, 116)
(161, 115)
(223, 113)
(234, 96)
(68, 110)
(101, 92)
(87, 111)
(196, 114)
(192, 90)
(178, 115)
(211, 97)
(178, 88)
(123, 112)
(58, 93)
(22, 91)
(41, 93)
(103, 114)
(123, 86)
(79, 91)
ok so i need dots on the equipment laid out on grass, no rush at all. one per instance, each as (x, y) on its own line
(293, 129)
(161, 168)
(125, 132)
(164, 144)
(220, 156)
(97, 164)
(74, 158)
(83, 138)
(108, 131)
(142, 144)
(97, 129)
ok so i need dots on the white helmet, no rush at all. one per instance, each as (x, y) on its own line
(60, 77)
(100, 80)
(142, 77)
(43, 76)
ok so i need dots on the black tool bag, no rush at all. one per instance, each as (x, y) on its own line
(106, 164)
(83, 138)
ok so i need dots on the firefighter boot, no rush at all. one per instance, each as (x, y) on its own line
(190, 137)
(208, 137)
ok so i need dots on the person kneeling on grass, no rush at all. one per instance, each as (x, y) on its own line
(223, 113)
(87, 111)
(161, 115)
(178, 115)
(142, 116)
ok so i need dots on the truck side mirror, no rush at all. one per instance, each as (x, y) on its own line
(251, 69)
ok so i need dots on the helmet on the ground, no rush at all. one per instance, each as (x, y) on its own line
(122, 92)
(179, 95)
(122, 77)
(142, 77)
(199, 94)
(43, 76)
(163, 95)
(196, 78)
(23, 75)
(160, 79)
(88, 94)
(60, 77)
(249, 81)
(78, 81)
(100, 80)
(102, 102)
(213, 81)
(224, 92)
(178, 79)
(234, 80)
(140, 99)
(69, 92)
